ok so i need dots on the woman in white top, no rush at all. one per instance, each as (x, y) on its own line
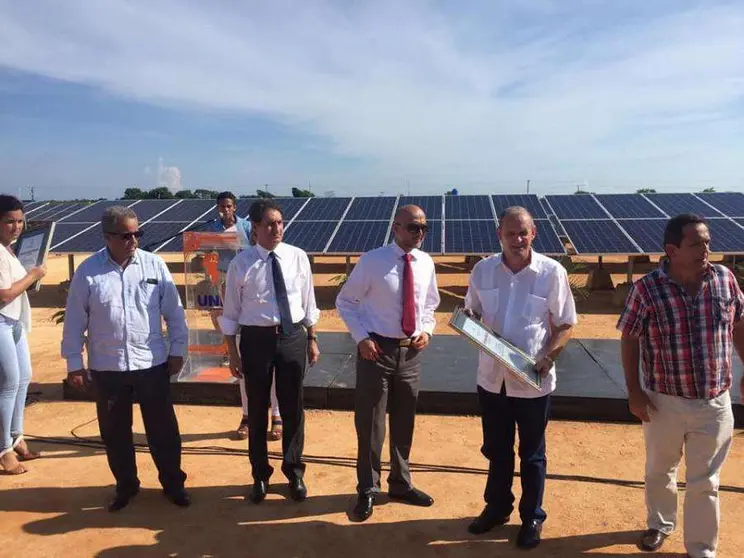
(15, 322)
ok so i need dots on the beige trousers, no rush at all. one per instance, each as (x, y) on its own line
(703, 428)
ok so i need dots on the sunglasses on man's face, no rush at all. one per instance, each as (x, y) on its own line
(127, 236)
(414, 228)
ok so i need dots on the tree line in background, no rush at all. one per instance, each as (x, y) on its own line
(163, 193)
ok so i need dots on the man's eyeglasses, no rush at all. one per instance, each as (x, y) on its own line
(414, 228)
(127, 235)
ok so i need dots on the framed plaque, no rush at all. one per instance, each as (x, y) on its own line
(491, 343)
(32, 248)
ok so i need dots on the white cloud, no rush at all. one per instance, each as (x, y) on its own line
(486, 95)
(170, 177)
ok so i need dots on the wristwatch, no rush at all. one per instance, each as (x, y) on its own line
(312, 337)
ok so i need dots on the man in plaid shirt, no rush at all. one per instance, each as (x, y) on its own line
(683, 319)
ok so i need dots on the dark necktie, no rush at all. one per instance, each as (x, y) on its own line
(408, 322)
(280, 290)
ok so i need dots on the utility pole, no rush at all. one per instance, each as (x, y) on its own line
(528, 186)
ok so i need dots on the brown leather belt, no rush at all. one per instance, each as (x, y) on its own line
(405, 342)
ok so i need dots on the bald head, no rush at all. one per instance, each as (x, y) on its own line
(515, 212)
(408, 213)
(409, 226)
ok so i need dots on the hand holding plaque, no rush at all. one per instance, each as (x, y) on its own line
(516, 361)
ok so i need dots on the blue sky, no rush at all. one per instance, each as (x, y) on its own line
(369, 97)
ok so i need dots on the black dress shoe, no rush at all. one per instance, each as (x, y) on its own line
(652, 539)
(121, 500)
(258, 493)
(415, 497)
(487, 520)
(529, 534)
(297, 489)
(180, 498)
(363, 507)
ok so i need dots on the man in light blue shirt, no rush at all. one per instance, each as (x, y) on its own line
(118, 296)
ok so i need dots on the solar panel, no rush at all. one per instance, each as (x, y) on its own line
(470, 237)
(432, 205)
(529, 201)
(598, 237)
(155, 234)
(50, 212)
(94, 212)
(629, 206)
(189, 210)
(726, 236)
(576, 206)
(547, 241)
(89, 241)
(467, 207)
(647, 233)
(676, 204)
(147, 209)
(730, 203)
(358, 236)
(32, 206)
(325, 209)
(371, 209)
(311, 236)
(290, 207)
(63, 231)
(432, 241)
(66, 212)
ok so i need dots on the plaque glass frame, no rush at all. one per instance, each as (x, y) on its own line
(32, 248)
(521, 365)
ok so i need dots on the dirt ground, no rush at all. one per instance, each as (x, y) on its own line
(594, 495)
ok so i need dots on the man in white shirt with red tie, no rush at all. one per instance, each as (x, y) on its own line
(388, 304)
(525, 297)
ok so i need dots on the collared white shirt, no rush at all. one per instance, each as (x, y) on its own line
(371, 301)
(520, 307)
(120, 309)
(249, 290)
(11, 271)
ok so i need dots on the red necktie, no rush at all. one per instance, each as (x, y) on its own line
(409, 306)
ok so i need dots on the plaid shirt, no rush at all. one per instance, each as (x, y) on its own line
(686, 342)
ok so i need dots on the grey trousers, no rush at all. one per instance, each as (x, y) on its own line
(391, 382)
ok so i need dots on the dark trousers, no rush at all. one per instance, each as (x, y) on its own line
(500, 415)
(265, 353)
(115, 393)
(390, 383)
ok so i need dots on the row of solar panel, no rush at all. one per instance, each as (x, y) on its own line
(594, 224)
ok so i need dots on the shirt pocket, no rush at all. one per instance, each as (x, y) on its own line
(148, 294)
(723, 310)
(535, 309)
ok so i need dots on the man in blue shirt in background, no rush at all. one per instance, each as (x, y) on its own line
(118, 297)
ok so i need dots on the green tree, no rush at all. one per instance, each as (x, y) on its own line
(161, 193)
(185, 195)
(298, 193)
(133, 194)
(645, 191)
(264, 194)
(708, 191)
(204, 194)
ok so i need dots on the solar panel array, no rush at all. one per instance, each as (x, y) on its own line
(593, 224)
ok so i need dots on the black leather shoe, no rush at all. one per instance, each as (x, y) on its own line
(363, 509)
(652, 539)
(121, 500)
(297, 489)
(486, 521)
(180, 498)
(258, 493)
(529, 534)
(415, 497)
